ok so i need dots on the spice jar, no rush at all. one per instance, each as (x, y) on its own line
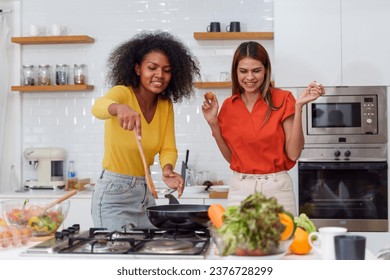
(80, 74)
(28, 75)
(61, 74)
(44, 75)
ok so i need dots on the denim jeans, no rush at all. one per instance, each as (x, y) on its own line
(119, 200)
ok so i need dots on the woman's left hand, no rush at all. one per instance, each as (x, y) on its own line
(312, 92)
(173, 180)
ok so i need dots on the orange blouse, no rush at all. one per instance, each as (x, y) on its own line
(257, 148)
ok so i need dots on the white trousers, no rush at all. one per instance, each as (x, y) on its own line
(278, 185)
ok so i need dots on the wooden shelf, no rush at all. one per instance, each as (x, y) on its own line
(40, 40)
(213, 84)
(53, 88)
(234, 35)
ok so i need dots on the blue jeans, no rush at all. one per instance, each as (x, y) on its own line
(119, 200)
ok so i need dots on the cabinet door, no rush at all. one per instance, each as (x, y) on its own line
(79, 213)
(307, 42)
(366, 42)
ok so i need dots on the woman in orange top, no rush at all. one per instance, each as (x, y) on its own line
(259, 128)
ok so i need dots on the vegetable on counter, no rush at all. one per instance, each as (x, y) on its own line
(215, 213)
(252, 227)
(300, 244)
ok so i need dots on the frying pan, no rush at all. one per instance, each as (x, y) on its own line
(178, 216)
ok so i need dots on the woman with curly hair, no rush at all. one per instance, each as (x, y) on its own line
(148, 74)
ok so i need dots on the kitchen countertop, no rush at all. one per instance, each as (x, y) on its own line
(191, 193)
(16, 253)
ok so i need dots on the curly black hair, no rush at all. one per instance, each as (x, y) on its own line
(121, 63)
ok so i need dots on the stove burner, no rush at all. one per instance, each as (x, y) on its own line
(176, 234)
(168, 246)
(106, 246)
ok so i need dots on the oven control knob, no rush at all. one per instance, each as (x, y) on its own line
(337, 153)
(347, 153)
(369, 121)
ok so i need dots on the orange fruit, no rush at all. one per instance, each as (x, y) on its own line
(289, 226)
(300, 244)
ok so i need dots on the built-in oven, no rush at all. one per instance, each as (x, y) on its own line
(342, 171)
(349, 194)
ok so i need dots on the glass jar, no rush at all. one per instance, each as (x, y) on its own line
(62, 74)
(28, 75)
(44, 75)
(80, 74)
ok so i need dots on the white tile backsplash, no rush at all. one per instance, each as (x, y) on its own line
(63, 119)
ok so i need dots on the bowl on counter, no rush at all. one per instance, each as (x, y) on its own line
(242, 251)
(32, 214)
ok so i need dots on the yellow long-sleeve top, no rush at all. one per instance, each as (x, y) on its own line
(121, 153)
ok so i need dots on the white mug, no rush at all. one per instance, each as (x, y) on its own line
(35, 30)
(325, 237)
(57, 29)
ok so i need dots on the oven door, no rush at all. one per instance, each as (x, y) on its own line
(348, 194)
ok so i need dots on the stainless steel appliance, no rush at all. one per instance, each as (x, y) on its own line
(131, 243)
(350, 115)
(343, 170)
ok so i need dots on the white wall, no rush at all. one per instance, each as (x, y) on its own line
(63, 119)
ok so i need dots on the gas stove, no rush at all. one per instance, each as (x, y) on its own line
(134, 243)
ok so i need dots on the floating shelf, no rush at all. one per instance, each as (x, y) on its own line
(53, 88)
(234, 35)
(213, 84)
(40, 40)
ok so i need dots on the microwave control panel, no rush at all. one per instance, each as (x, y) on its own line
(369, 115)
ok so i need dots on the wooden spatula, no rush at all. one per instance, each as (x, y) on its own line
(148, 177)
(59, 200)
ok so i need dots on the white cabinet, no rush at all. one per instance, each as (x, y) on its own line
(365, 42)
(79, 213)
(307, 42)
(336, 42)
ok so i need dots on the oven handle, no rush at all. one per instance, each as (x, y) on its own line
(343, 165)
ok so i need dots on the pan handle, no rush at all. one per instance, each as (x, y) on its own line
(172, 199)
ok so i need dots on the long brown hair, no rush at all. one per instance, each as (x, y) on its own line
(255, 51)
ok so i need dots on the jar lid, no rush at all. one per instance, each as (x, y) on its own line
(79, 65)
(44, 65)
(62, 65)
(28, 65)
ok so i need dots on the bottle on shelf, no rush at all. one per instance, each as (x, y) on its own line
(72, 178)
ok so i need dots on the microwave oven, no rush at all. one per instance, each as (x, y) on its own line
(349, 115)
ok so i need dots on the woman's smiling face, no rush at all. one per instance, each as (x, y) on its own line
(154, 72)
(250, 74)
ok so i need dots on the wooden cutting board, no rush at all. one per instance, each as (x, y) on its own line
(214, 194)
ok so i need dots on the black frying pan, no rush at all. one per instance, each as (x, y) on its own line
(179, 216)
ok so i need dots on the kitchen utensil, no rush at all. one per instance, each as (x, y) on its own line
(148, 177)
(59, 200)
(172, 199)
(178, 216)
(184, 167)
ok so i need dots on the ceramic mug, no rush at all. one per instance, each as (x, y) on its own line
(350, 247)
(325, 238)
(57, 29)
(234, 26)
(214, 27)
(35, 30)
